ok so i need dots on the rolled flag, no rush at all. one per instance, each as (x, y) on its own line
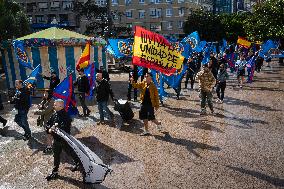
(21, 54)
(84, 59)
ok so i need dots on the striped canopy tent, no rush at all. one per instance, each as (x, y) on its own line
(53, 48)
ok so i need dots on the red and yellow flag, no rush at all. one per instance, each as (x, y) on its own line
(243, 42)
(153, 51)
(84, 59)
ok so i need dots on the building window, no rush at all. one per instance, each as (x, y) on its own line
(141, 1)
(50, 17)
(158, 1)
(180, 1)
(169, 12)
(67, 5)
(141, 13)
(31, 7)
(155, 27)
(30, 17)
(169, 1)
(151, 1)
(128, 25)
(180, 24)
(55, 6)
(115, 16)
(158, 13)
(114, 2)
(170, 25)
(63, 18)
(39, 19)
(101, 3)
(127, 2)
(43, 6)
(152, 12)
(181, 11)
(128, 14)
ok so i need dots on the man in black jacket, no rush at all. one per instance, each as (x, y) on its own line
(103, 90)
(54, 81)
(60, 119)
(83, 88)
(22, 103)
(133, 73)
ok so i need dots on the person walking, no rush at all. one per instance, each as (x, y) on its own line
(45, 110)
(241, 65)
(133, 73)
(103, 91)
(83, 87)
(222, 76)
(61, 120)
(149, 98)
(22, 103)
(190, 73)
(54, 81)
(206, 83)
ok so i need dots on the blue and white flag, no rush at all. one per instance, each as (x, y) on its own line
(192, 39)
(21, 54)
(121, 47)
(34, 75)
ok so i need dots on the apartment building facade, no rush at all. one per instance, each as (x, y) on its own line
(45, 13)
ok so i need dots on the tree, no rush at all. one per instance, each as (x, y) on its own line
(208, 25)
(233, 25)
(266, 21)
(13, 21)
(99, 20)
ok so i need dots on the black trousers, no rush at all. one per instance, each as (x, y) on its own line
(192, 79)
(83, 103)
(2, 120)
(129, 92)
(58, 146)
(221, 87)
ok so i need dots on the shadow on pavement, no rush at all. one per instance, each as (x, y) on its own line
(201, 124)
(180, 112)
(106, 153)
(235, 101)
(81, 184)
(190, 145)
(134, 126)
(259, 175)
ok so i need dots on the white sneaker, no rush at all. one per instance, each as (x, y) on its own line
(218, 100)
(159, 127)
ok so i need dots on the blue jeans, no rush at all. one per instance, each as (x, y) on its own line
(22, 120)
(102, 106)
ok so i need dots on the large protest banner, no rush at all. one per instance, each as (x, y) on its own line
(153, 51)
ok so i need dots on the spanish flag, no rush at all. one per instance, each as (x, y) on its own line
(243, 42)
(153, 51)
(84, 59)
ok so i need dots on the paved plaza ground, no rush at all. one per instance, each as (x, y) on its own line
(239, 147)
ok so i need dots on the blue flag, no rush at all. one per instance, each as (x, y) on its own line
(174, 80)
(206, 57)
(201, 46)
(34, 75)
(21, 54)
(90, 72)
(192, 39)
(223, 46)
(140, 71)
(65, 92)
(159, 82)
(265, 47)
(121, 47)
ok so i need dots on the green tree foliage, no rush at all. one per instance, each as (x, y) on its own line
(97, 19)
(208, 25)
(266, 21)
(13, 21)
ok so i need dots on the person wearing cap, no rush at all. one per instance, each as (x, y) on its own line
(149, 97)
(54, 81)
(83, 87)
(206, 83)
(61, 120)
